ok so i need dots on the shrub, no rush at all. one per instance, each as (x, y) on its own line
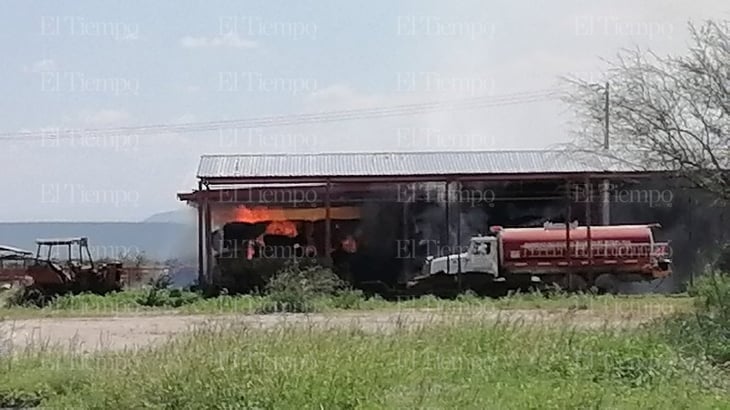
(27, 296)
(18, 399)
(155, 293)
(14, 297)
(294, 288)
(348, 299)
(722, 263)
(160, 294)
(712, 293)
(706, 332)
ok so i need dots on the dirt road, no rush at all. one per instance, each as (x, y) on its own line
(81, 335)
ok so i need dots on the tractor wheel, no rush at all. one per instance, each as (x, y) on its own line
(607, 283)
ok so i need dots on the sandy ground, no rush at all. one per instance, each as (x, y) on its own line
(81, 335)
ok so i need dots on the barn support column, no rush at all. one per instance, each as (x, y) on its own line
(208, 242)
(588, 205)
(458, 235)
(605, 202)
(448, 228)
(405, 265)
(199, 206)
(568, 217)
(327, 225)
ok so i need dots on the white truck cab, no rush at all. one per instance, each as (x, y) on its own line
(480, 257)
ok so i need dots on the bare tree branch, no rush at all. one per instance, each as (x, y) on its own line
(668, 113)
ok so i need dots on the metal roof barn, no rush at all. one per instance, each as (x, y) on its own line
(413, 165)
(335, 178)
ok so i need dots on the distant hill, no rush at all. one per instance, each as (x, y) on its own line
(186, 216)
(157, 240)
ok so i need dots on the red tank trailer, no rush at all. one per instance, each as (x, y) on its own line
(574, 257)
(627, 249)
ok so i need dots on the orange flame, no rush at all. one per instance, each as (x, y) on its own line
(263, 214)
(254, 215)
(349, 245)
(285, 228)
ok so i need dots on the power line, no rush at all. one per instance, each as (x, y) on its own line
(273, 121)
(297, 119)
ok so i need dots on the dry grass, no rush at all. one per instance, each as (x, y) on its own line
(465, 362)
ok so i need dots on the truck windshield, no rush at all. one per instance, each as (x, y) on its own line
(481, 248)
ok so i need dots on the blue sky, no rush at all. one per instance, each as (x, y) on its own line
(93, 64)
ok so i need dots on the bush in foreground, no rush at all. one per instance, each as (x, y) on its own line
(705, 332)
(295, 288)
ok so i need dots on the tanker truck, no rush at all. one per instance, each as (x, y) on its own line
(573, 257)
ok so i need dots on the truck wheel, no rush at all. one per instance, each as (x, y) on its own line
(573, 283)
(607, 283)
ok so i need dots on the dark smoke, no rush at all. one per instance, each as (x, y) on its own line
(693, 221)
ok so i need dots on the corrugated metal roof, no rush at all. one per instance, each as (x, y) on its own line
(272, 185)
(11, 249)
(403, 164)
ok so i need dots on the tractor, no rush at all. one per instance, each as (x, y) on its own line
(65, 266)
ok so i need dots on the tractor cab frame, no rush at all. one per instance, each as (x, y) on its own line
(77, 251)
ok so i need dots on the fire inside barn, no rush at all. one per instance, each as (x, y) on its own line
(378, 217)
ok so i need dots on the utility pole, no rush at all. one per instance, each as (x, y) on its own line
(606, 185)
(605, 115)
(689, 236)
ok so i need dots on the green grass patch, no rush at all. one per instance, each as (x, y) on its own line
(704, 332)
(464, 364)
(185, 302)
(302, 289)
